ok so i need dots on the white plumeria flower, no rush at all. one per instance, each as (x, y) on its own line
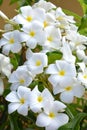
(37, 99)
(67, 55)
(53, 38)
(37, 62)
(5, 65)
(60, 72)
(62, 17)
(34, 34)
(28, 15)
(11, 41)
(45, 5)
(76, 41)
(82, 75)
(52, 118)
(20, 77)
(19, 101)
(1, 87)
(72, 88)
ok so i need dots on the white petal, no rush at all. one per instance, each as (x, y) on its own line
(12, 97)
(16, 47)
(23, 110)
(1, 87)
(47, 95)
(62, 119)
(78, 90)
(6, 49)
(22, 91)
(13, 107)
(59, 106)
(67, 97)
(43, 120)
(52, 69)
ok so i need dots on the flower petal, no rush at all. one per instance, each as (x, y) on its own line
(43, 120)
(13, 107)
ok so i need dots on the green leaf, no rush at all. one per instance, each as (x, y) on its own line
(83, 27)
(52, 56)
(13, 122)
(1, 1)
(13, 1)
(74, 124)
(83, 4)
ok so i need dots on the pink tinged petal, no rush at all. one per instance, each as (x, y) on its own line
(78, 90)
(1, 87)
(13, 107)
(12, 97)
(52, 69)
(43, 120)
(23, 110)
(67, 97)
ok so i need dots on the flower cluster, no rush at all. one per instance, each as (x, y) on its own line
(52, 53)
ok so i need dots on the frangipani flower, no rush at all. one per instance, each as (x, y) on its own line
(19, 100)
(76, 41)
(53, 38)
(33, 34)
(60, 72)
(70, 90)
(37, 62)
(37, 99)
(11, 41)
(20, 77)
(28, 14)
(52, 118)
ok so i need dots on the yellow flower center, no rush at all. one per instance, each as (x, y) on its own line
(32, 33)
(62, 72)
(22, 100)
(29, 18)
(60, 18)
(51, 115)
(68, 88)
(38, 63)
(50, 38)
(21, 81)
(40, 99)
(11, 41)
(45, 24)
(85, 76)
